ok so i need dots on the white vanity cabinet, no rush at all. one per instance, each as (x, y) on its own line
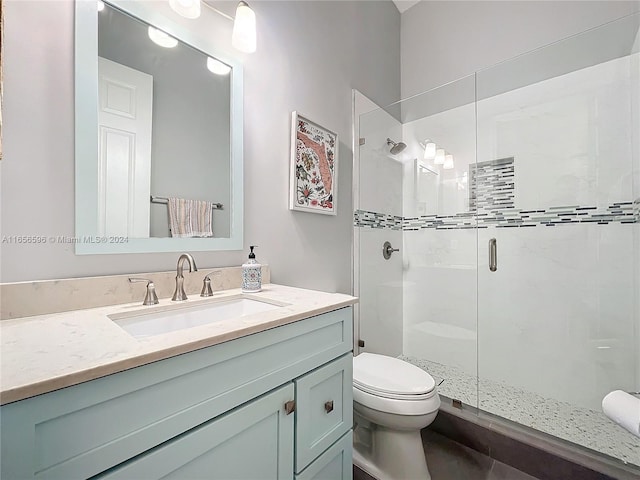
(272, 405)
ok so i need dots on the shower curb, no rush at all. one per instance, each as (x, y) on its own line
(536, 453)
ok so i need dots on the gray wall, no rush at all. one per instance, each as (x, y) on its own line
(446, 40)
(310, 55)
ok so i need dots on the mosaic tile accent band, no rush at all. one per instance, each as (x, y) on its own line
(491, 204)
(621, 212)
(363, 218)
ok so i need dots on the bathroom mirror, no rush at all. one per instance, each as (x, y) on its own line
(154, 122)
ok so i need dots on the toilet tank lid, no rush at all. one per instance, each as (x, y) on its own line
(390, 375)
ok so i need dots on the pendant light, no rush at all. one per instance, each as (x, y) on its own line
(244, 29)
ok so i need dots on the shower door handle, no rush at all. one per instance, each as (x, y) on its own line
(493, 255)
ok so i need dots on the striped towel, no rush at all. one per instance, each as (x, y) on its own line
(190, 218)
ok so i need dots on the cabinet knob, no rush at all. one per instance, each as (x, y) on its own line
(290, 407)
(328, 406)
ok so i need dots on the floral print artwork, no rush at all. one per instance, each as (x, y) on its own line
(314, 174)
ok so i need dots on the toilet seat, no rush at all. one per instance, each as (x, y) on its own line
(425, 406)
(391, 377)
(391, 385)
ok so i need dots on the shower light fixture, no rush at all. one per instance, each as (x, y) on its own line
(217, 67)
(439, 157)
(186, 8)
(243, 36)
(161, 38)
(429, 150)
(448, 162)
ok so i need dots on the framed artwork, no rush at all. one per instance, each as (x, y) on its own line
(314, 167)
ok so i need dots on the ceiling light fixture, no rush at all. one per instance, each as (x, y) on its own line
(161, 38)
(186, 8)
(100, 5)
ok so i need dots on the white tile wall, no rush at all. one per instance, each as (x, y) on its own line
(571, 136)
(439, 297)
(380, 173)
(557, 317)
(380, 293)
(445, 193)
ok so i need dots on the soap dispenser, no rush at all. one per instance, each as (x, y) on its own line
(251, 274)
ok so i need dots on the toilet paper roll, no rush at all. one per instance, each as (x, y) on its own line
(624, 409)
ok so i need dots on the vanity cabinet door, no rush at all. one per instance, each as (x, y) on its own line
(334, 464)
(324, 408)
(253, 441)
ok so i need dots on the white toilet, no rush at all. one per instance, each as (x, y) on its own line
(392, 401)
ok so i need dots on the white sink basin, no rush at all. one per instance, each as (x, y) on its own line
(166, 319)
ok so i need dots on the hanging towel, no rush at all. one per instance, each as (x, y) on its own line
(624, 409)
(190, 218)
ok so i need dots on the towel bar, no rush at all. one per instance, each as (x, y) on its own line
(165, 200)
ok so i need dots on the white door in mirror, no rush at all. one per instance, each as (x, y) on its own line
(124, 150)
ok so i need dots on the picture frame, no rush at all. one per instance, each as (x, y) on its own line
(314, 167)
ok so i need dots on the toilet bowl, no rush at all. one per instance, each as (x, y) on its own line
(392, 401)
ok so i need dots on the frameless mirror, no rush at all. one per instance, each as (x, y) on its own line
(158, 130)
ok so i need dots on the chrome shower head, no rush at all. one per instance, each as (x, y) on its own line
(395, 147)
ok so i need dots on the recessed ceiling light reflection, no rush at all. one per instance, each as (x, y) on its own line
(217, 67)
(186, 8)
(161, 38)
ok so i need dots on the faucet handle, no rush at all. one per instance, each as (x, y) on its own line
(150, 297)
(207, 291)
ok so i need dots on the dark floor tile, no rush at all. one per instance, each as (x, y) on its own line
(359, 474)
(449, 460)
(500, 471)
(536, 462)
(467, 433)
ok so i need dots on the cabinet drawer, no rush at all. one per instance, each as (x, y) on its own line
(324, 409)
(334, 464)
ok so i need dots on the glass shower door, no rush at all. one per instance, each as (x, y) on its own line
(558, 316)
(378, 219)
(420, 303)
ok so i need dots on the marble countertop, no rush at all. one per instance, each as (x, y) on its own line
(47, 352)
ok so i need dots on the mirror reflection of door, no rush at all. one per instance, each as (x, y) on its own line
(124, 150)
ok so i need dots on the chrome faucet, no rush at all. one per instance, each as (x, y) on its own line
(179, 293)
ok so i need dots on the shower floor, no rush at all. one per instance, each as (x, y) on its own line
(589, 428)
